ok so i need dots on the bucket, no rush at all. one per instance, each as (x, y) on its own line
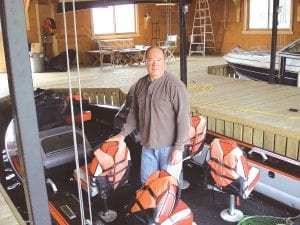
(37, 62)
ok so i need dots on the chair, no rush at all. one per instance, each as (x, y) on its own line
(169, 46)
(105, 50)
(108, 172)
(229, 172)
(109, 52)
(195, 144)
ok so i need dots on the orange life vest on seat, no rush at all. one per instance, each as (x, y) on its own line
(227, 162)
(111, 161)
(108, 170)
(197, 135)
(156, 200)
(229, 169)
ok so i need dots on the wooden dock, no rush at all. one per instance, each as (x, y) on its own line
(253, 112)
(8, 213)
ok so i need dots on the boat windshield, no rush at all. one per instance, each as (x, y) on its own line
(292, 49)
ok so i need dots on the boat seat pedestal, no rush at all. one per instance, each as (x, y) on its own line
(231, 214)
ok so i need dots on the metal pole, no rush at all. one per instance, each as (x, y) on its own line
(182, 28)
(24, 113)
(274, 41)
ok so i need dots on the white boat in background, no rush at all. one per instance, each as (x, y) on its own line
(256, 64)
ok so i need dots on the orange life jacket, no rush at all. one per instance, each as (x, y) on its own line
(49, 26)
(197, 135)
(157, 199)
(227, 162)
(111, 161)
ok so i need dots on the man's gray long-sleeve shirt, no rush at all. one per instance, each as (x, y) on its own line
(160, 111)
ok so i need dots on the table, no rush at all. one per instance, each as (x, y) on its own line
(95, 55)
(132, 55)
(98, 56)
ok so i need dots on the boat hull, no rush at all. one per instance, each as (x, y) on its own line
(274, 184)
(263, 74)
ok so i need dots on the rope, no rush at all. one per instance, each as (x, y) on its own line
(82, 121)
(72, 116)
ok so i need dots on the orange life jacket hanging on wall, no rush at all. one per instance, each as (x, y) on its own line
(49, 26)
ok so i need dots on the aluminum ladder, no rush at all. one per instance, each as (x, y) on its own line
(202, 37)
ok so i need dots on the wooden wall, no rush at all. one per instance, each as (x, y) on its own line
(86, 41)
(228, 20)
(227, 17)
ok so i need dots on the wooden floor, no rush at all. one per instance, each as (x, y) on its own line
(254, 112)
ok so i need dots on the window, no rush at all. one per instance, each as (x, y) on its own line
(260, 14)
(117, 19)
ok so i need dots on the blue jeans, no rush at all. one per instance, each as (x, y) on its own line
(154, 159)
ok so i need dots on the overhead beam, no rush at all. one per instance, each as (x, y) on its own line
(85, 4)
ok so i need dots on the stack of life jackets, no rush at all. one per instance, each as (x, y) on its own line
(157, 202)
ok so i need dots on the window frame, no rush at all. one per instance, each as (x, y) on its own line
(115, 34)
(247, 30)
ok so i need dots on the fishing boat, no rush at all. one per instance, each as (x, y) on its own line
(271, 195)
(59, 150)
(256, 64)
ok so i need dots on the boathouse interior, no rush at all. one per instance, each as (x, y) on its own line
(260, 114)
(229, 20)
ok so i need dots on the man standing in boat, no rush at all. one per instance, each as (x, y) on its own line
(161, 113)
